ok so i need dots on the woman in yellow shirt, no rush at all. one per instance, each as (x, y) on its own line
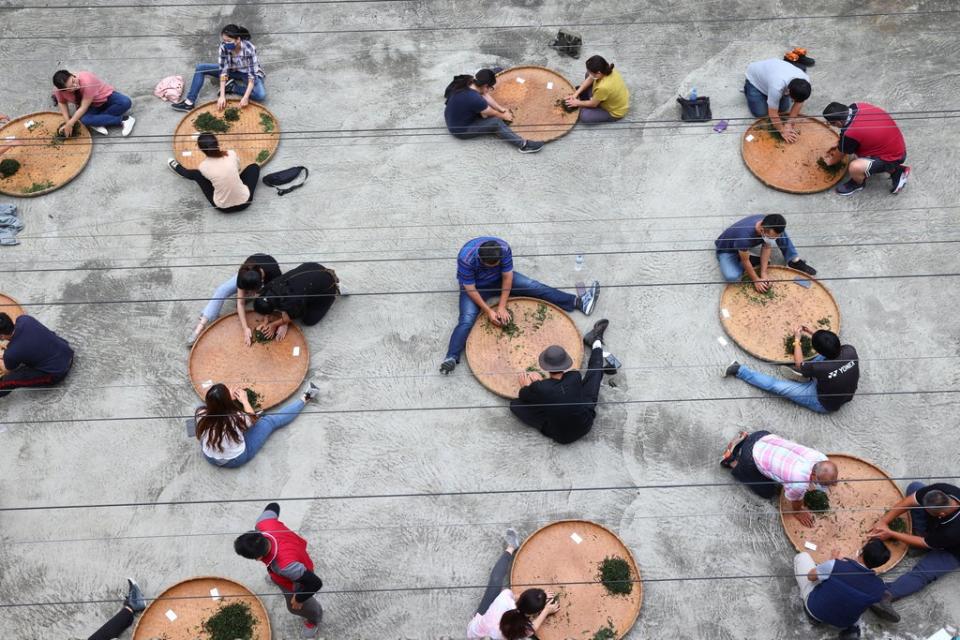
(602, 96)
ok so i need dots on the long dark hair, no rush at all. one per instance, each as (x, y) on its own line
(250, 276)
(598, 64)
(235, 31)
(458, 84)
(222, 417)
(210, 146)
(515, 624)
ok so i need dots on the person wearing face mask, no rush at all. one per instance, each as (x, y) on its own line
(472, 112)
(238, 70)
(603, 95)
(736, 242)
(98, 105)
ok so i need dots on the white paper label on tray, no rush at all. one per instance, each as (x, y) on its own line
(187, 153)
(28, 124)
(206, 384)
(520, 80)
(296, 351)
(723, 341)
(725, 313)
(810, 545)
(195, 136)
(171, 616)
(750, 137)
(576, 538)
(215, 593)
(549, 85)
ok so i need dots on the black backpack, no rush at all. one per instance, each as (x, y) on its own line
(696, 110)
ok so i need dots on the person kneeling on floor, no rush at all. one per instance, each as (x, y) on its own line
(838, 591)
(735, 243)
(34, 355)
(869, 133)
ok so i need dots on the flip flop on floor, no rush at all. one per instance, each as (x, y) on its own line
(728, 452)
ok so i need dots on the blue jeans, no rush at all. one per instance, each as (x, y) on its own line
(108, 114)
(757, 101)
(803, 393)
(227, 289)
(486, 126)
(205, 69)
(932, 565)
(732, 268)
(522, 286)
(257, 435)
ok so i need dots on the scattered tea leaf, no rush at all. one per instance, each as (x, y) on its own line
(615, 575)
(608, 632)
(36, 187)
(255, 399)
(899, 525)
(831, 169)
(816, 500)
(806, 345)
(260, 336)
(232, 114)
(231, 622)
(262, 156)
(267, 123)
(209, 123)
(8, 167)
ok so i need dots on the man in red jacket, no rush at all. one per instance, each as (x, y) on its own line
(288, 565)
(869, 133)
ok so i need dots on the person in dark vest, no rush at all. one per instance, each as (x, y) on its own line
(838, 591)
(305, 293)
(34, 355)
(288, 564)
(869, 133)
(563, 406)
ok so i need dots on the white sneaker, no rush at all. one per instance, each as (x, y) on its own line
(127, 124)
(343, 291)
(101, 130)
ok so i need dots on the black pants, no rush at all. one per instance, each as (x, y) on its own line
(885, 166)
(746, 470)
(114, 626)
(498, 576)
(249, 176)
(28, 377)
(319, 305)
(594, 377)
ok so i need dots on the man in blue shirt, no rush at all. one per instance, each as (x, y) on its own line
(838, 591)
(471, 111)
(34, 355)
(734, 245)
(485, 270)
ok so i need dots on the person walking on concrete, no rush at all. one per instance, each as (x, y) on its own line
(238, 71)
(224, 184)
(770, 88)
(231, 432)
(765, 462)
(472, 112)
(735, 244)
(869, 133)
(839, 590)
(133, 604)
(563, 406)
(830, 378)
(485, 271)
(602, 96)
(502, 616)
(288, 564)
(34, 356)
(935, 514)
(98, 105)
(304, 293)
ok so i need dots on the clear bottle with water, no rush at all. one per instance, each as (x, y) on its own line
(578, 266)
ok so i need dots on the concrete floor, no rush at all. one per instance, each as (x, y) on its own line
(389, 213)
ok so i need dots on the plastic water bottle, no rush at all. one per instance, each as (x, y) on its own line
(579, 262)
(693, 95)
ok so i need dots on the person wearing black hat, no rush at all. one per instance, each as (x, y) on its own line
(471, 111)
(305, 293)
(562, 406)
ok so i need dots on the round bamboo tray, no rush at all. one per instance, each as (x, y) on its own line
(760, 323)
(246, 136)
(564, 557)
(13, 309)
(497, 358)
(270, 368)
(855, 507)
(45, 166)
(192, 602)
(791, 167)
(532, 94)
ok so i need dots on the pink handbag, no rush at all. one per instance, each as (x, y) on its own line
(169, 89)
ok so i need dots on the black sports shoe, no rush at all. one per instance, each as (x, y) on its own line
(732, 369)
(183, 105)
(801, 265)
(134, 599)
(899, 179)
(596, 333)
(530, 146)
(850, 187)
(884, 609)
(448, 365)
(850, 633)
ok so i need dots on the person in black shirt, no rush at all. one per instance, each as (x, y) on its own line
(935, 514)
(833, 374)
(34, 355)
(562, 406)
(305, 293)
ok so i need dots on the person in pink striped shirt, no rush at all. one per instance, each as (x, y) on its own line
(765, 462)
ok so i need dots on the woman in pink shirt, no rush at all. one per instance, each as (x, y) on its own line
(225, 186)
(98, 105)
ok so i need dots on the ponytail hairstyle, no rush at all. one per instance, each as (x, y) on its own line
(235, 31)
(514, 625)
(210, 146)
(532, 601)
(598, 64)
(458, 84)
(249, 277)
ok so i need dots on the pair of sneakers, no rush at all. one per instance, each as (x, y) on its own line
(898, 180)
(126, 127)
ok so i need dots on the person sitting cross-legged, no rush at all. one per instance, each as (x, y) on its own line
(485, 271)
(839, 590)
